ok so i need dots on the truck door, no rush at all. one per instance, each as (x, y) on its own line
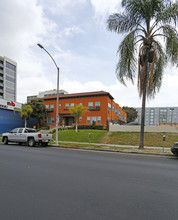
(13, 135)
(20, 137)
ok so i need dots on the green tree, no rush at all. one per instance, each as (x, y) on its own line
(39, 109)
(25, 112)
(77, 111)
(131, 113)
(145, 22)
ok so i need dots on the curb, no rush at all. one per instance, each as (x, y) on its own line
(110, 150)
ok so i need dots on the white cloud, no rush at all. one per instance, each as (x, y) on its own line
(23, 24)
(128, 96)
(31, 86)
(86, 63)
(105, 7)
(121, 94)
(62, 7)
(69, 31)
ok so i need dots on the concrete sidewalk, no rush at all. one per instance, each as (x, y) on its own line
(115, 148)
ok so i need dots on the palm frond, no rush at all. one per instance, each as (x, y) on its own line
(169, 13)
(171, 43)
(143, 11)
(127, 64)
(120, 23)
(151, 75)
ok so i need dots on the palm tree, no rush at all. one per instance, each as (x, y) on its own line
(77, 111)
(145, 22)
(25, 112)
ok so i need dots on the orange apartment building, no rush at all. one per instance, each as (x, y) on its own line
(101, 109)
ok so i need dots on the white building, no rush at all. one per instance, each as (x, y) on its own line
(47, 93)
(159, 116)
(8, 79)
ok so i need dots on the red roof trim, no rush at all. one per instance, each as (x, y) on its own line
(77, 95)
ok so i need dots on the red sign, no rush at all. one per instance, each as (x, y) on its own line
(11, 103)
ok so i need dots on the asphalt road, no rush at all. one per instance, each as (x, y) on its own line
(53, 183)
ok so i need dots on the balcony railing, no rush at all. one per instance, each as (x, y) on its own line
(96, 108)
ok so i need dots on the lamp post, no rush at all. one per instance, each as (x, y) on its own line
(57, 116)
(172, 109)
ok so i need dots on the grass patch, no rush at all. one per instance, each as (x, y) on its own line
(133, 139)
(81, 136)
(118, 138)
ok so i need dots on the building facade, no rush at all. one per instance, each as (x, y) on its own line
(47, 93)
(10, 120)
(101, 109)
(8, 79)
(155, 116)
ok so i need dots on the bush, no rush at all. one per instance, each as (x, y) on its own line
(97, 127)
(53, 131)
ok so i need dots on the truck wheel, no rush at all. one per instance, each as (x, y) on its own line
(5, 141)
(31, 142)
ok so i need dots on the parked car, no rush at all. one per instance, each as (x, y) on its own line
(26, 135)
(174, 148)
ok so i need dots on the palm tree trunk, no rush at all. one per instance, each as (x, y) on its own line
(141, 146)
(25, 122)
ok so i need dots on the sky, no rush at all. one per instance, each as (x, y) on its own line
(75, 33)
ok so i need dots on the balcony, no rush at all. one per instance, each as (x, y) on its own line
(96, 108)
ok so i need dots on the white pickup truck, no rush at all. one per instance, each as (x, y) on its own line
(26, 135)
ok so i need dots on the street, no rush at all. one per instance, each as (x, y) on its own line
(61, 184)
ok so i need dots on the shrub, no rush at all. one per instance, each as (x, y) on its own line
(97, 127)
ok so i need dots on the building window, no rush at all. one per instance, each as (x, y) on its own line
(99, 120)
(50, 119)
(108, 120)
(97, 105)
(109, 107)
(90, 105)
(59, 105)
(152, 116)
(72, 104)
(80, 103)
(67, 105)
(93, 119)
(80, 118)
(47, 106)
(52, 107)
(88, 120)
(163, 115)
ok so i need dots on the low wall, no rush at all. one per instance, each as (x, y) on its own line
(136, 128)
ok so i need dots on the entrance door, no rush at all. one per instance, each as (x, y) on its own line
(69, 121)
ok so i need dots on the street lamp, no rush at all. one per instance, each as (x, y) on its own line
(57, 116)
(172, 109)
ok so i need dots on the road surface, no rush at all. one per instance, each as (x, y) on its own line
(58, 184)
